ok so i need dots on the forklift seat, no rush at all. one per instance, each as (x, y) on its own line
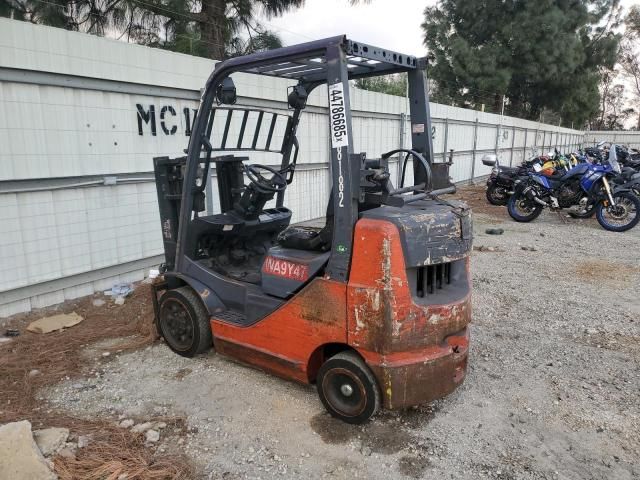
(313, 239)
(303, 238)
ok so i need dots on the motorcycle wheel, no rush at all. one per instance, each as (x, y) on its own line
(623, 216)
(586, 213)
(497, 195)
(521, 209)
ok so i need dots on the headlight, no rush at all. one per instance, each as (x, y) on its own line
(495, 170)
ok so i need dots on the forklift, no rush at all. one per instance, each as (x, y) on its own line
(371, 306)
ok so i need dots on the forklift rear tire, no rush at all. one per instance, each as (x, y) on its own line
(348, 388)
(183, 322)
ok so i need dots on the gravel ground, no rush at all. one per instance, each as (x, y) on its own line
(552, 390)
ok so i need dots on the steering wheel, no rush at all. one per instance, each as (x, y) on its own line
(277, 183)
(419, 158)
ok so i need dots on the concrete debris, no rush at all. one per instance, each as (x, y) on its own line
(152, 436)
(34, 373)
(83, 440)
(120, 290)
(55, 323)
(126, 423)
(20, 457)
(119, 301)
(51, 440)
(98, 302)
(142, 427)
(67, 452)
(483, 248)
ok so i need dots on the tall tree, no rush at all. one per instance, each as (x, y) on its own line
(542, 55)
(633, 21)
(630, 55)
(390, 84)
(613, 112)
(210, 28)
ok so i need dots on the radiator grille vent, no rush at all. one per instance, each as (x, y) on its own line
(432, 278)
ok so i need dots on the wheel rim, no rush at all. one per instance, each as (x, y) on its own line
(344, 392)
(176, 324)
(524, 207)
(582, 210)
(498, 193)
(621, 214)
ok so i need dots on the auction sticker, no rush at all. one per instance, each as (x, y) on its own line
(339, 137)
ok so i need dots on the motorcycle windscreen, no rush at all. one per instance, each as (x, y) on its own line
(613, 159)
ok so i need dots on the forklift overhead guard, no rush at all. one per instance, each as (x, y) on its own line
(373, 305)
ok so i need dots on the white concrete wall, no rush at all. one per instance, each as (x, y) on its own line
(632, 139)
(59, 242)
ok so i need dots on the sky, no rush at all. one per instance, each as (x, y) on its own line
(391, 24)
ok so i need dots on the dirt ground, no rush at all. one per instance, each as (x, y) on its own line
(552, 392)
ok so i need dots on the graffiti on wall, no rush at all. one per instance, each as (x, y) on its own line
(167, 118)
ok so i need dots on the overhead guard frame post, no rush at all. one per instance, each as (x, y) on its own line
(420, 112)
(345, 201)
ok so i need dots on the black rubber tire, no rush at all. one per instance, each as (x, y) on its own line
(600, 208)
(353, 369)
(522, 218)
(185, 299)
(496, 200)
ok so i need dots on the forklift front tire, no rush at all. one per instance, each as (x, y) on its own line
(348, 388)
(183, 322)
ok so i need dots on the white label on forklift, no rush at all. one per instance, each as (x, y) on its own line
(339, 137)
(417, 128)
(226, 228)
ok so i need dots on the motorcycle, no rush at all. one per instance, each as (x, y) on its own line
(617, 209)
(596, 154)
(629, 179)
(501, 180)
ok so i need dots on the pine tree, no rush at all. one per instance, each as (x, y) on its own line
(542, 55)
(210, 28)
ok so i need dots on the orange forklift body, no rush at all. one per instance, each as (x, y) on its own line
(418, 353)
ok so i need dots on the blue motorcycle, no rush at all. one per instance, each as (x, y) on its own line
(586, 187)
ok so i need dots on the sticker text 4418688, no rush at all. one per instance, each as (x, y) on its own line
(339, 135)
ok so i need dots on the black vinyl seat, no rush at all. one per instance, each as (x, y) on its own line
(509, 170)
(313, 239)
(305, 238)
